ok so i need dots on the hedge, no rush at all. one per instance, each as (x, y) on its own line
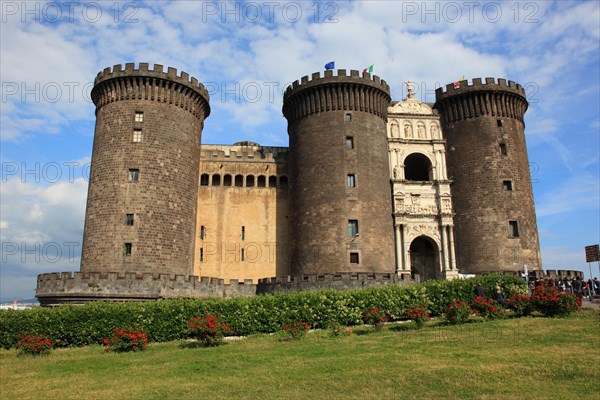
(166, 320)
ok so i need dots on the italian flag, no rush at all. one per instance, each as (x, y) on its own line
(369, 70)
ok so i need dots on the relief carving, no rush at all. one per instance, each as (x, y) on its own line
(408, 131)
(421, 130)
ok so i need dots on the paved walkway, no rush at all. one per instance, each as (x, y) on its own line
(591, 304)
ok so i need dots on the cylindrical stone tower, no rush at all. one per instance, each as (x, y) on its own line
(143, 189)
(495, 221)
(340, 201)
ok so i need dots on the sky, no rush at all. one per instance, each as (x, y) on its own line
(246, 53)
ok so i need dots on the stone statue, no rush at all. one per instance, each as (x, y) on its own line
(407, 131)
(421, 130)
(394, 129)
(434, 131)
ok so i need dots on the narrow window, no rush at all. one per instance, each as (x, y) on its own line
(352, 227)
(243, 233)
(134, 174)
(202, 232)
(354, 258)
(351, 180)
(242, 255)
(272, 181)
(129, 219)
(127, 247)
(261, 182)
(503, 150)
(499, 123)
(513, 229)
(227, 180)
(349, 142)
(137, 135)
(201, 254)
(250, 181)
(216, 180)
(139, 116)
(507, 185)
(348, 117)
(204, 180)
(239, 180)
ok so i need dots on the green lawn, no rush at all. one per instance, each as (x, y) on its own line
(527, 358)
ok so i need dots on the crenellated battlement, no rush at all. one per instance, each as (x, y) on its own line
(142, 83)
(338, 281)
(237, 153)
(68, 287)
(478, 85)
(497, 99)
(329, 92)
(328, 76)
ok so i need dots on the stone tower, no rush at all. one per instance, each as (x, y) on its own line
(340, 203)
(495, 221)
(143, 189)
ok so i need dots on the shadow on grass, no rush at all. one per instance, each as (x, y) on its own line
(195, 344)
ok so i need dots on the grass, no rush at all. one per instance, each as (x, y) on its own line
(527, 358)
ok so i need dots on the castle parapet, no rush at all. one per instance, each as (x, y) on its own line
(155, 84)
(501, 99)
(329, 92)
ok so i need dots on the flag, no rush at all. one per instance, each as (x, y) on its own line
(330, 65)
(369, 70)
(457, 83)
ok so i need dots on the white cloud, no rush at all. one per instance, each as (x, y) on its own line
(578, 193)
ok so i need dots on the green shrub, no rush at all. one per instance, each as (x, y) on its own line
(552, 303)
(124, 340)
(487, 308)
(167, 320)
(520, 304)
(208, 329)
(33, 345)
(457, 312)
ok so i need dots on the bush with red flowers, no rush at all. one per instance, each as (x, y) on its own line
(375, 317)
(487, 308)
(126, 340)
(520, 304)
(33, 345)
(296, 330)
(552, 303)
(419, 314)
(209, 329)
(457, 312)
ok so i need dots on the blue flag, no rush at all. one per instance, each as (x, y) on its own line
(330, 65)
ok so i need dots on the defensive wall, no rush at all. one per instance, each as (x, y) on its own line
(77, 288)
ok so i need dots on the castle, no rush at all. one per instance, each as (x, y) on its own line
(370, 191)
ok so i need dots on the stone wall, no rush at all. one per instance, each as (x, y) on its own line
(77, 288)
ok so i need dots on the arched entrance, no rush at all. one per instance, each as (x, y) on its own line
(423, 259)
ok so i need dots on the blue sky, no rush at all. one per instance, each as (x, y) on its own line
(246, 53)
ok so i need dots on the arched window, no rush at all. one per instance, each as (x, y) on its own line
(250, 181)
(283, 182)
(261, 181)
(417, 167)
(239, 180)
(204, 180)
(227, 180)
(272, 181)
(216, 181)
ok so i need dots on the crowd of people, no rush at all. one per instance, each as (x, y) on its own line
(577, 285)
